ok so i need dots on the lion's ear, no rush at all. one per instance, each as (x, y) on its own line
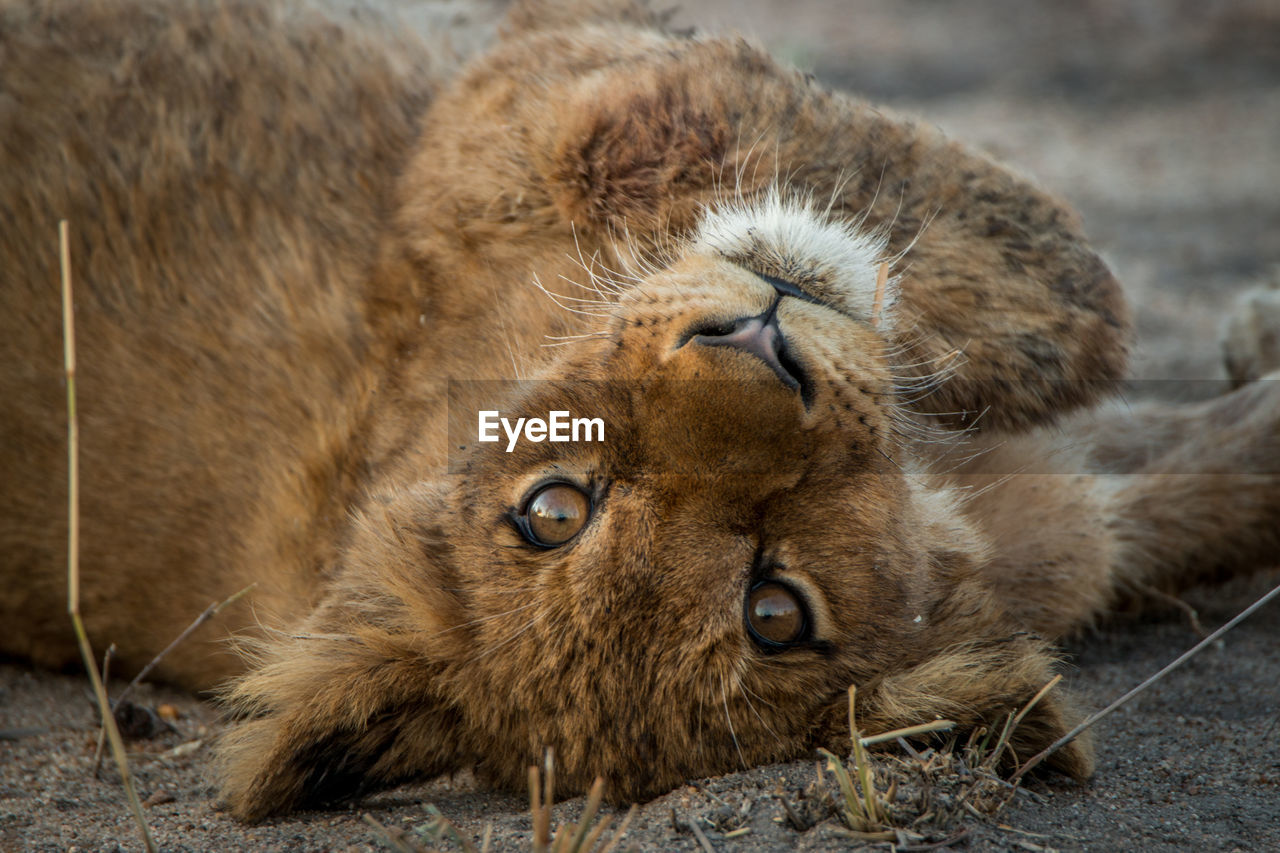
(639, 155)
(352, 700)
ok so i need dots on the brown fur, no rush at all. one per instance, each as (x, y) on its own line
(290, 236)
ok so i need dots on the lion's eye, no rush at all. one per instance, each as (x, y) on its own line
(776, 616)
(555, 514)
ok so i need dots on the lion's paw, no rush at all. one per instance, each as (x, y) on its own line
(1251, 333)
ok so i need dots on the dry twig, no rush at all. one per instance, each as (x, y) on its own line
(1173, 601)
(102, 730)
(1181, 659)
(209, 612)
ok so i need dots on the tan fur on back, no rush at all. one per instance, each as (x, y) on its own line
(291, 232)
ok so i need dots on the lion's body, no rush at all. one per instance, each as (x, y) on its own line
(288, 235)
(217, 400)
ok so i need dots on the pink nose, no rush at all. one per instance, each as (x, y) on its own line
(761, 337)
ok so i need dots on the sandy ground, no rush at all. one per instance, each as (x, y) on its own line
(1160, 121)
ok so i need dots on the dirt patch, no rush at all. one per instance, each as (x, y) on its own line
(1160, 121)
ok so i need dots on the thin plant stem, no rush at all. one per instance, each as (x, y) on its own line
(73, 542)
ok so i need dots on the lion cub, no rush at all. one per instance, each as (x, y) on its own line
(820, 341)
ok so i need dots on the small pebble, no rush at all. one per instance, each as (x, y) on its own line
(159, 797)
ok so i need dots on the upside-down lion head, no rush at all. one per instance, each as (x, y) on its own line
(689, 593)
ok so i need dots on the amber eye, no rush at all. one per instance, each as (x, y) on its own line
(776, 616)
(555, 514)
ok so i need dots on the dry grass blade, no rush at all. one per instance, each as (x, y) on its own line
(882, 281)
(1012, 722)
(73, 540)
(936, 845)
(703, 841)
(440, 827)
(579, 838)
(909, 731)
(436, 830)
(861, 810)
(594, 798)
(593, 837)
(394, 838)
(622, 830)
(548, 785)
(862, 764)
(852, 810)
(541, 815)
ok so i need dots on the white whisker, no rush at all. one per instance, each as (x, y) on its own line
(724, 697)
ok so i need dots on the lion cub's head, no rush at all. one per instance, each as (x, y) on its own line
(689, 592)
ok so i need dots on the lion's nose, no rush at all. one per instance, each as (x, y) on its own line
(760, 336)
